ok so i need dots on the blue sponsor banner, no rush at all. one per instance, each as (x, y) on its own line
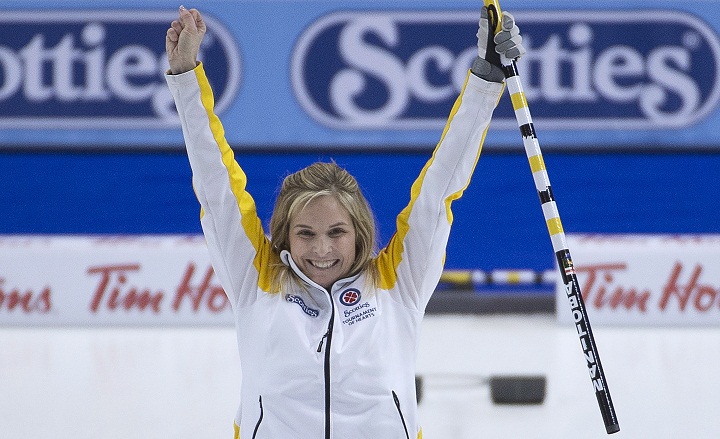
(92, 69)
(338, 74)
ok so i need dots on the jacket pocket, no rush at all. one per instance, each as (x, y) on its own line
(259, 421)
(402, 418)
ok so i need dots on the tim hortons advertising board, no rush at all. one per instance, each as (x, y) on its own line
(646, 279)
(109, 280)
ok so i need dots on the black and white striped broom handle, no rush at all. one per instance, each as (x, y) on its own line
(555, 229)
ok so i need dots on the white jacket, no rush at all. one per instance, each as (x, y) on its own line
(338, 364)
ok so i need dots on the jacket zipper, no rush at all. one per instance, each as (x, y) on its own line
(259, 419)
(326, 369)
(322, 340)
(402, 418)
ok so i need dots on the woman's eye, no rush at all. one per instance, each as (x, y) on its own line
(305, 233)
(337, 232)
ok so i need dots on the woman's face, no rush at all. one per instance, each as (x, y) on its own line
(322, 240)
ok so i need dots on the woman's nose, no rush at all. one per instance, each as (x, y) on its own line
(322, 246)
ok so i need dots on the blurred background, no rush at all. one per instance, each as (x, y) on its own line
(103, 275)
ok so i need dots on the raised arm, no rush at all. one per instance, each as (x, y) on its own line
(415, 256)
(239, 251)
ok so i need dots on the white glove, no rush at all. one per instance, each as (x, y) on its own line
(509, 41)
(494, 48)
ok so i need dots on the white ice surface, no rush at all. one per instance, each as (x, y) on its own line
(147, 383)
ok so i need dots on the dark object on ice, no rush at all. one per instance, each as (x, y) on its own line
(517, 389)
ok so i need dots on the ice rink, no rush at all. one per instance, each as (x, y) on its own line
(147, 383)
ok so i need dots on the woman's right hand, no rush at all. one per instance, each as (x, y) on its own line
(182, 41)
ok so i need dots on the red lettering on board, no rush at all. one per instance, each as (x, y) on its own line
(204, 293)
(27, 301)
(113, 291)
(692, 293)
(602, 291)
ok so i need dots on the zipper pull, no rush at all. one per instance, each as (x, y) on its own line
(322, 340)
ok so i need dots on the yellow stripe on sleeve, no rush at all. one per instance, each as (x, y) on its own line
(250, 221)
(390, 257)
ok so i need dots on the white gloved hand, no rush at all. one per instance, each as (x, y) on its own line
(508, 42)
(493, 49)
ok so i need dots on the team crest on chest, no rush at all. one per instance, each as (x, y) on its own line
(357, 308)
(350, 297)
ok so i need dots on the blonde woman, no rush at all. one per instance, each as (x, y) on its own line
(327, 327)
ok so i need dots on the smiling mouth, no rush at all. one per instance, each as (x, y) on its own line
(323, 265)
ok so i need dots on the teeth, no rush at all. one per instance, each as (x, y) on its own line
(322, 264)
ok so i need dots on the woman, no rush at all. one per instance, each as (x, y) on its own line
(327, 328)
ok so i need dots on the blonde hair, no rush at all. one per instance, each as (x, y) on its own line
(303, 186)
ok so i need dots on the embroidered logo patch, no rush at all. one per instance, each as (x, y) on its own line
(350, 297)
(297, 299)
(357, 309)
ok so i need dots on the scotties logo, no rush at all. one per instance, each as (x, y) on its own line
(99, 69)
(301, 303)
(584, 69)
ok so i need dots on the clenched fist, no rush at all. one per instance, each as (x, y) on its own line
(183, 39)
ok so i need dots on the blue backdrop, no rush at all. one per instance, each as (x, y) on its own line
(498, 222)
